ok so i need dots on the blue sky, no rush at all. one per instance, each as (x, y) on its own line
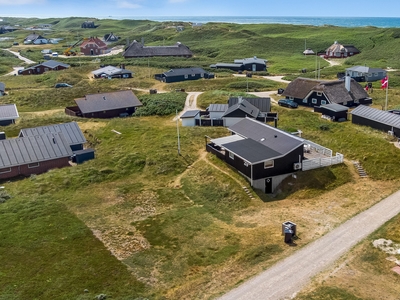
(120, 8)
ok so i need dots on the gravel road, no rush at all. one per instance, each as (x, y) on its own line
(287, 277)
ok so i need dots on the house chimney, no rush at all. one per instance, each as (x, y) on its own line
(143, 41)
(347, 82)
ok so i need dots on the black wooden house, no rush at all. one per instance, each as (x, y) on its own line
(176, 75)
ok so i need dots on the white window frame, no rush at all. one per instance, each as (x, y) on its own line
(305, 100)
(246, 164)
(269, 164)
(314, 101)
(323, 102)
(33, 165)
(186, 76)
(5, 170)
(319, 94)
(231, 155)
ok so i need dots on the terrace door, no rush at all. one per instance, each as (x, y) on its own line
(254, 67)
(268, 185)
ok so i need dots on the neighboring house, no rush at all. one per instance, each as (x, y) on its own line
(311, 92)
(88, 24)
(176, 75)
(333, 112)
(247, 64)
(110, 38)
(71, 132)
(308, 51)
(363, 73)
(238, 112)
(375, 118)
(2, 89)
(35, 38)
(93, 46)
(50, 65)
(266, 155)
(33, 155)
(216, 111)
(8, 114)
(262, 103)
(136, 49)
(112, 72)
(6, 29)
(189, 118)
(341, 51)
(105, 105)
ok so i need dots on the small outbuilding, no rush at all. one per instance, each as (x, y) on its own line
(2, 89)
(308, 51)
(377, 119)
(189, 118)
(8, 114)
(333, 111)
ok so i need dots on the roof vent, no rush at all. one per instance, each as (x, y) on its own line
(262, 139)
(104, 98)
(275, 136)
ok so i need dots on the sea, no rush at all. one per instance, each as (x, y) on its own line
(381, 22)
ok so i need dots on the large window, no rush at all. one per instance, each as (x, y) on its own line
(323, 102)
(268, 164)
(314, 101)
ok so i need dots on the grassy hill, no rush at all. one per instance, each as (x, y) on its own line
(141, 221)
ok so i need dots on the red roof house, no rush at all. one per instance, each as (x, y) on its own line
(93, 46)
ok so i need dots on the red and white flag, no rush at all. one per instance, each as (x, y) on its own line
(385, 83)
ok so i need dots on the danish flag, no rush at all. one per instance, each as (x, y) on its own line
(385, 83)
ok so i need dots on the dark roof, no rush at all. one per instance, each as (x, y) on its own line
(8, 112)
(2, 86)
(225, 65)
(51, 64)
(107, 101)
(377, 115)
(351, 48)
(33, 149)
(300, 87)
(190, 114)
(263, 104)
(217, 107)
(335, 107)
(33, 36)
(276, 139)
(365, 69)
(243, 106)
(110, 37)
(251, 150)
(250, 60)
(137, 49)
(334, 90)
(110, 70)
(183, 71)
(71, 132)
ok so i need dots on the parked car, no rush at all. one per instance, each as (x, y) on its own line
(60, 85)
(287, 103)
(15, 44)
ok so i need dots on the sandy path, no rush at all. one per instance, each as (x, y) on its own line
(27, 60)
(288, 276)
(190, 104)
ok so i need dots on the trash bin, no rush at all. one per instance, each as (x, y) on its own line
(290, 225)
(288, 235)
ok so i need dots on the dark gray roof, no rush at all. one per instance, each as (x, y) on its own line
(243, 106)
(251, 150)
(225, 65)
(377, 115)
(33, 149)
(183, 71)
(71, 132)
(137, 49)
(335, 107)
(250, 60)
(365, 69)
(190, 114)
(276, 139)
(2, 86)
(263, 104)
(51, 64)
(33, 36)
(8, 112)
(110, 70)
(107, 101)
(217, 107)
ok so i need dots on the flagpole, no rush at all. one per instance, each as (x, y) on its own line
(387, 88)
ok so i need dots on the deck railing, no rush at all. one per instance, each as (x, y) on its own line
(315, 163)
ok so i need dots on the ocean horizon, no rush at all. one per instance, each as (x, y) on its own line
(382, 22)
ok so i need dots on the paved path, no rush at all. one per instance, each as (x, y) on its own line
(287, 277)
(27, 60)
(190, 104)
(273, 78)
